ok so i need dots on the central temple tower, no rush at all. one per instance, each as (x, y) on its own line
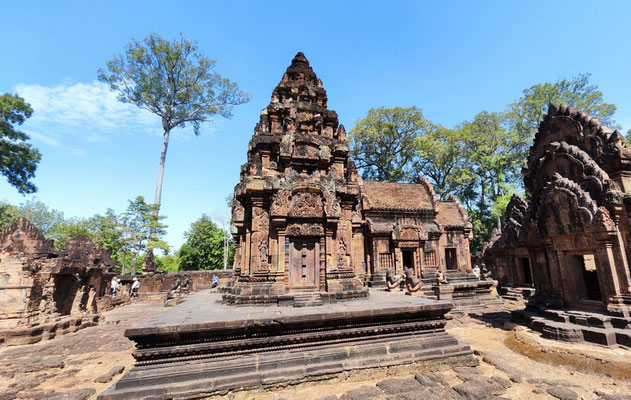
(296, 210)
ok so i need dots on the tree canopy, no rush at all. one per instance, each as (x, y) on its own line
(176, 82)
(18, 158)
(142, 229)
(384, 143)
(525, 114)
(479, 160)
(204, 246)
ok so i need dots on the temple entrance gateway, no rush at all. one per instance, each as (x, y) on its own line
(303, 257)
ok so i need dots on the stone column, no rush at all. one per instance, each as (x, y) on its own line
(323, 258)
(606, 262)
(280, 256)
(623, 267)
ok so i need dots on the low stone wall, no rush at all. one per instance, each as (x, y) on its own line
(159, 283)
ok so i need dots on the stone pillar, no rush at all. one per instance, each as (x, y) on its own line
(398, 260)
(623, 267)
(281, 271)
(323, 258)
(606, 262)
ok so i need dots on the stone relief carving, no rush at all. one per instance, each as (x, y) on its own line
(306, 204)
(305, 230)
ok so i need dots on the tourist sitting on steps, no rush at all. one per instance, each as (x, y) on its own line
(476, 271)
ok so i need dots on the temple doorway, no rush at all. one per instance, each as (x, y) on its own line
(451, 260)
(587, 284)
(408, 258)
(525, 266)
(303, 263)
(64, 294)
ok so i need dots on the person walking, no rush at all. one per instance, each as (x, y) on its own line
(134, 287)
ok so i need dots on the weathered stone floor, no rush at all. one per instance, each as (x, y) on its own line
(67, 367)
(514, 364)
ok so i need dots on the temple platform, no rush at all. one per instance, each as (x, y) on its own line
(576, 326)
(203, 347)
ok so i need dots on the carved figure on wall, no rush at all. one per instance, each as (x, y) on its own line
(263, 253)
(412, 283)
(341, 251)
(280, 203)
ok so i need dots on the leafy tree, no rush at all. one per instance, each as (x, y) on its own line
(493, 154)
(168, 263)
(204, 246)
(18, 159)
(384, 143)
(66, 229)
(43, 217)
(526, 113)
(174, 81)
(8, 215)
(142, 229)
(441, 159)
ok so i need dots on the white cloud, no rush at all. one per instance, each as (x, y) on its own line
(43, 138)
(94, 138)
(90, 106)
(91, 112)
(78, 152)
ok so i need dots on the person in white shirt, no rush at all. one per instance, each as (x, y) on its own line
(134, 287)
(476, 271)
(114, 287)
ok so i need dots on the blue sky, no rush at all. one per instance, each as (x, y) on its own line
(452, 59)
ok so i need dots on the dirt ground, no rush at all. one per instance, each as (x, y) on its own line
(529, 367)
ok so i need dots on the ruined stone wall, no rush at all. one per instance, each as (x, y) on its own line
(162, 282)
(44, 292)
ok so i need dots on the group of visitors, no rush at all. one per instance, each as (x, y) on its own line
(115, 287)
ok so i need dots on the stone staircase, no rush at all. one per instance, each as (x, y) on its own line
(576, 326)
(307, 299)
(428, 277)
(518, 293)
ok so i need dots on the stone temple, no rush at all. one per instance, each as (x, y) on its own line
(310, 233)
(308, 228)
(570, 239)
